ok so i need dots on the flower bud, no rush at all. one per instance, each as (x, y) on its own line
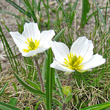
(67, 90)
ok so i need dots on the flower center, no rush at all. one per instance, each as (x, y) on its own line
(31, 45)
(73, 62)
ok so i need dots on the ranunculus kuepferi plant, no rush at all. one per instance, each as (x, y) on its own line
(79, 58)
(32, 41)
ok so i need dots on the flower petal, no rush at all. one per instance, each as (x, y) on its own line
(58, 66)
(60, 51)
(34, 52)
(30, 53)
(83, 47)
(95, 61)
(31, 30)
(18, 39)
(45, 37)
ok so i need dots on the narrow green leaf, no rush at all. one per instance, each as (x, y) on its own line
(49, 81)
(59, 35)
(4, 106)
(2, 90)
(98, 107)
(60, 3)
(100, 13)
(30, 10)
(27, 108)
(44, 69)
(57, 102)
(68, 98)
(31, 89)
(18, 7)
(15, 88)
(85, 10)
(37, 105)
(59, 86)
(72, 14)
(39, 4)
(92, 14)
(6, 12)
(13, 101)
(34, 4)
(8, 50)
(33, 84)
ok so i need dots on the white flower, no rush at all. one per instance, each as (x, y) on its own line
(31, 41)
(80, 57)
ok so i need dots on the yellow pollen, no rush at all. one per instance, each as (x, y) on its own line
(31, 45)
(73, 62)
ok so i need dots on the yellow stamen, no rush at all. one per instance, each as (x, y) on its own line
(31, 45)
(73, 62)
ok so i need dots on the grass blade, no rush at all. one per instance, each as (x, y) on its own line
(100, 13)
(98, 107)
(4, 106)
(30, 10)
(44, 69)
(2, 90)
(18, 7)
(85, 10)
(72, 14)
(59, 35)
(57, 81)
(6, 12)
(8, 50)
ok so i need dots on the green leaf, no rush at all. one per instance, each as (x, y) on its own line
(33, 84)
(15, 88)
(59, 34)
(85, 10)
(57, 102)
(2, 90)
(49, 80)
(30, 9)
(44, 69)
(98, 107)
(59, 86)
(4, 106)
(28, 87)
(13, 101)
(27, 108)
(100, 13)
(8, 50)
(72, 14)
(68, 98)
(18, 7)
(6, 12)
(37, 105)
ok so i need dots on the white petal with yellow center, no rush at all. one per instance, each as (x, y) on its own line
(31, 45)
(31, 41)
(73, 62)
(80, 57)
(60, 51)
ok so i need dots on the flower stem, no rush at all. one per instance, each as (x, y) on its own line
(69, 79)
(64, 106)
(40, 77)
